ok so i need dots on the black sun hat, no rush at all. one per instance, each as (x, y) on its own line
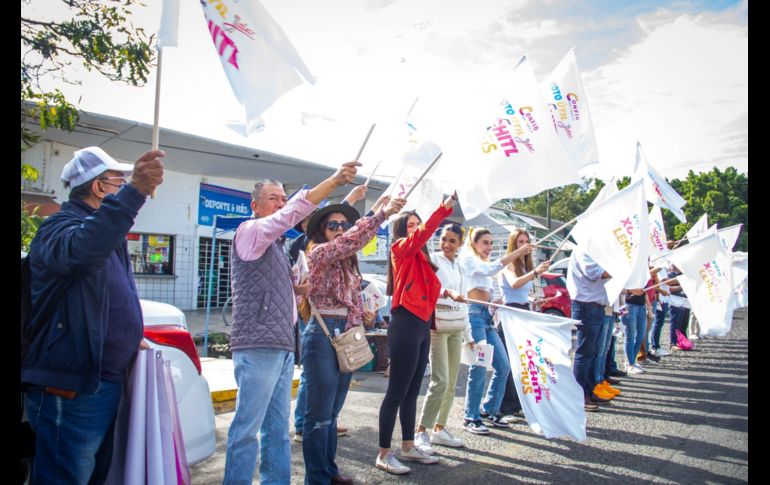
(350, 212)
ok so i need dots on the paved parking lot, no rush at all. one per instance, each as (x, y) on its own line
(683, 421)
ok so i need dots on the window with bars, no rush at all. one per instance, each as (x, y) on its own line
(220, 282)
(151, 254)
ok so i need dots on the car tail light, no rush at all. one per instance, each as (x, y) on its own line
(177, 337)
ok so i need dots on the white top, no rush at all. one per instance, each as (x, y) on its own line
(451, 278)
(479, 274)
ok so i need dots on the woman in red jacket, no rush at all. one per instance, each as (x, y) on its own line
(413, 284)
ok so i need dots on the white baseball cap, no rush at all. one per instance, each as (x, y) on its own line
(89, 163)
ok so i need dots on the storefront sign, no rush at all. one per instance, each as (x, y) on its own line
(221, 201)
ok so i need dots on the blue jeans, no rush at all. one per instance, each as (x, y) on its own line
(74, 436)
(482, 328)
(326, 390)
(299, 410)
(680, 316)
(657, 324)
(636, 325)
(588, 335)
(611, 364)
(605, 338)
(262, 405)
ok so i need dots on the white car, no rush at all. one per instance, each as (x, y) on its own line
(165, 328)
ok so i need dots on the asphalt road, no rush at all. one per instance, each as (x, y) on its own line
(685, 420)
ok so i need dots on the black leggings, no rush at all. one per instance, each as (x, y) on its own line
(409, 347)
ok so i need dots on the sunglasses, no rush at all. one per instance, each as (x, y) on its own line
(334, 225)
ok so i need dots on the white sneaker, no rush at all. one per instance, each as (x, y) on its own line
(391, 465)
(632, 369)
(445, 438)
(693, 337)
(661, 352)
(416, 454)
(639, 367)
(422, 442)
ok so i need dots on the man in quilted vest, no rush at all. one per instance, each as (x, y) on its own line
(262, 338)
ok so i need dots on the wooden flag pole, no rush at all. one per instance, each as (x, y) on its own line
(424, 174)
(156, 122)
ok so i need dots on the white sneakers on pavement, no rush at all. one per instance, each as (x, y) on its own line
(445, 438)
(391, 464)
(416, 454)
(422, 441)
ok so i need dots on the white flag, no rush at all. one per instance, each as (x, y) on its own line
(729, 236)
(701, 226)
(564, 93)
(740, 263)
(519, 154)
(607, 191)
(658, 244)
(259, 60)
(538, 348)
(707, 279)
(615, 234)
(416, 157)
(659, 192)
(169, 24)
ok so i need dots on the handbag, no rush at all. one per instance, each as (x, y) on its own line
(683, 342)
(352, 348)
(450, 318)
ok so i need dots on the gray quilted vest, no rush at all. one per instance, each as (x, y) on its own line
(263, 301)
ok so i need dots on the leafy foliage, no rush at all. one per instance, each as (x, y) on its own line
(99, 35)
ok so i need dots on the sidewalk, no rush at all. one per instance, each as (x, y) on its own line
(219, 372)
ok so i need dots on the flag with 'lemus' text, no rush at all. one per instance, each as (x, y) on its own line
(538, 349)
(258, 58)
(658, 244)
(615, 234)
(519, 153)
(707, 280)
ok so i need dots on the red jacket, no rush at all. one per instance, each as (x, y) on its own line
(415, 285)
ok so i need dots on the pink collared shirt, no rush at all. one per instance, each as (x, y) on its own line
(253, 237)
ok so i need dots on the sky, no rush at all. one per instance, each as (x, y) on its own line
(671, 75)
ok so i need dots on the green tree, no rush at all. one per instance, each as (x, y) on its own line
(724, 196)
(96, 34)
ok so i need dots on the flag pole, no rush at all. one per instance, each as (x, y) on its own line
(658, 284)
(366, 140)
(550, 260)
(559, 229)
(366, 184)
(424, 174)
(156, 122)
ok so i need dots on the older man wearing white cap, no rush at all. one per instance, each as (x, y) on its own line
(85, 323)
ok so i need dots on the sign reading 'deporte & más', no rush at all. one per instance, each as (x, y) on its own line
(221, 201)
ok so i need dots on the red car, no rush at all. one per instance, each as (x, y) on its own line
(556, 297)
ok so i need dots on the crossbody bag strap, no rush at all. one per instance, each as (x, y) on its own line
(320, 319)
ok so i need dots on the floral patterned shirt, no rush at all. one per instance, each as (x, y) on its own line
(327, 286)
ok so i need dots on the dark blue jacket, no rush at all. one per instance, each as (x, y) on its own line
(70, 301)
